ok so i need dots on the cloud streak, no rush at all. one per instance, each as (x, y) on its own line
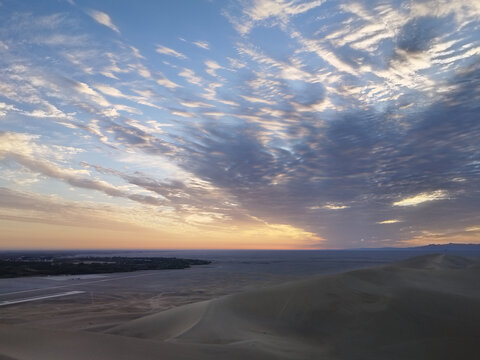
(170, 52)
(103, 19)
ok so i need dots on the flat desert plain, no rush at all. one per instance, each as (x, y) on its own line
(426, 307)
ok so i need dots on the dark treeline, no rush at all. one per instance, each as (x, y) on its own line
(49, 265)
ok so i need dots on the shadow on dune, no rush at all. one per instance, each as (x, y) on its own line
(425, 307)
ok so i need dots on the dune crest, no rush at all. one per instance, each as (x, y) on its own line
(166, 325)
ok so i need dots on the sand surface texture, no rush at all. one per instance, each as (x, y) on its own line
(422, 308)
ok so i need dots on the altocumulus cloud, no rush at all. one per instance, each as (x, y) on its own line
(349, 121)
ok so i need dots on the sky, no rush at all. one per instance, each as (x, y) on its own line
(248, 124)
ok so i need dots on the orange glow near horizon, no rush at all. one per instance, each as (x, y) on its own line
(41, 236)
(53, 236)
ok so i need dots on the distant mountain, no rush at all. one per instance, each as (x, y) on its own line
(448, 247)
(432, 248)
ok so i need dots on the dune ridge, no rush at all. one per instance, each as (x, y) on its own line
(426, 307)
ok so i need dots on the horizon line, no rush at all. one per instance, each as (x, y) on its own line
(231, 249)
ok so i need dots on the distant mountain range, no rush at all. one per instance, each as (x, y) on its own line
(433, 248)
(449, 247)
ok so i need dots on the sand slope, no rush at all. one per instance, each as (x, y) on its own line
(422, 308)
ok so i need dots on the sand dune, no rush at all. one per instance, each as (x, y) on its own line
(422, 308)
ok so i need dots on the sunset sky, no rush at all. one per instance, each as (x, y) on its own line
(239, 124)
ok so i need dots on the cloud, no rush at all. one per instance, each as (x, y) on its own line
(359, 158)
(34, 208)
(257, 100)
(167, 51)
(97, 98)
(212, 67)
(335, 207)
(463, 10)
(391, 221)
(114, 92)
(163, 81)
(110, 90)
(263, 9)
(103, 19)
(228, 102)
(4, 108)
(418, 33)
(195, 200)
(258, 11)
(422, 198)
(195, 104)
(189, 75)
(202, 44)
(62, 40)
(363, 113)
(19, 148)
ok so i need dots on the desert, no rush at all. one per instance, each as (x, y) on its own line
(425, 307)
